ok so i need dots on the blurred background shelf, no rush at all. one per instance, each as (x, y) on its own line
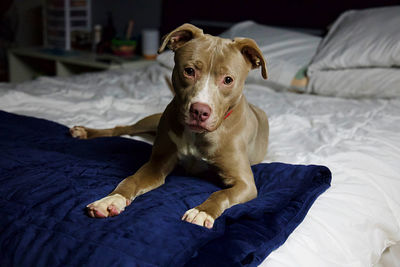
(29, 63)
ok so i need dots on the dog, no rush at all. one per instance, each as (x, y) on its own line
(208, 127)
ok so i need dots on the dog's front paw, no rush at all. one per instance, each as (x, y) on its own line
(78, 132)
(108, 206)
(198, 217)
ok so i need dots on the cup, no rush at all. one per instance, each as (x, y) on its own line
(150, 43)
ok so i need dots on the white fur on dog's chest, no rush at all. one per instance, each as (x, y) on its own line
(188, 154)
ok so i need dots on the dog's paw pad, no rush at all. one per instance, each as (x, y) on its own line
(78, 132)
(97, 214)
(198, 217)
(113, 211)
(107, 206)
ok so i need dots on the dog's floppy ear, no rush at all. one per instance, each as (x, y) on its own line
(253, 54)
(180, 36)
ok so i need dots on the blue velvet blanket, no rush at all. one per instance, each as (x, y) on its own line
(47, 178)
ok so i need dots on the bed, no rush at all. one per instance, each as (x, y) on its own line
(333, 103)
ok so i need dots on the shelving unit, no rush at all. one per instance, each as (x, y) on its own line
(64, 20)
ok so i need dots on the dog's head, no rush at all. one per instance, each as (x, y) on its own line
(209, 74)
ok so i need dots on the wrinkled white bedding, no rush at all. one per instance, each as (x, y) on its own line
(349, 225)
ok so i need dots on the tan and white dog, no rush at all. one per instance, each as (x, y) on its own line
(207, 127)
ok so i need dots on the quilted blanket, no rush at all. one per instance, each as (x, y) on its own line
(47, 178)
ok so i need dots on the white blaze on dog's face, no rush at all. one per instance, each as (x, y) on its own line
(209, 74)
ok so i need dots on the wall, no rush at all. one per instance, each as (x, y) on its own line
(27, 18)
(145, 13)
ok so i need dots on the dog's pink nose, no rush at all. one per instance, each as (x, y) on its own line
(200, 111)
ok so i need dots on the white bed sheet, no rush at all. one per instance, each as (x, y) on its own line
(351, 224)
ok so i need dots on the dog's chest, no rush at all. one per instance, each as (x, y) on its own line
(190, 155)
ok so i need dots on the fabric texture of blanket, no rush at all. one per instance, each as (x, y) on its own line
(47, 179)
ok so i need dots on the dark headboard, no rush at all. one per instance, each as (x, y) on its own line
(216, 15)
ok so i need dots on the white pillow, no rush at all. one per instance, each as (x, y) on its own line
(360, 56)
(356, 82)
(285, 51)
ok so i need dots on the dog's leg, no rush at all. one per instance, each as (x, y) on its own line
(242, 189)
(151, 175)
(148, 125)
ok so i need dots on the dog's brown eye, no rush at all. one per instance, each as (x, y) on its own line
(189, 71)
(228, 80)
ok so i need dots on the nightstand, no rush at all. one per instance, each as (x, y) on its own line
(29, 63)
